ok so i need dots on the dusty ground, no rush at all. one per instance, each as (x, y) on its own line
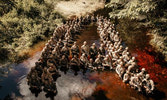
(78, 7)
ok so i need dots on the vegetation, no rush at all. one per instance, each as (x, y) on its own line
(151, 14)
(23, 23)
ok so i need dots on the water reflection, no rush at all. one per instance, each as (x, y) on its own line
(15, 84)
(67, 86)
(89, 35)
(9, 83)
(12, 79)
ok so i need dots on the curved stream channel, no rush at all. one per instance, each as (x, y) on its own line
(92, 86)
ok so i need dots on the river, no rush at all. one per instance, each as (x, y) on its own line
(92, 86)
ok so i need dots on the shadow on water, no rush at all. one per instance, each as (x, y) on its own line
(158, 95)
(104, 86)
(100, 95)
(89, 35)
(138, 42)
(10, 83)
(15, 85)
(110, 86)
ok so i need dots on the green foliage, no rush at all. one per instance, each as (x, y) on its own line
(5, 6)
(26, 23)
(134, 9)
(151, 14)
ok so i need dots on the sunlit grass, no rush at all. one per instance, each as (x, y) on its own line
(78, 7)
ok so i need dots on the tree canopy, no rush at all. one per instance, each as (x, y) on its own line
(25, 22)
(148, 13)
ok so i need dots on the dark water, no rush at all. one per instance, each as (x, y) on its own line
(16, 86)
(89, 35)
(93, 86)
(10, 83)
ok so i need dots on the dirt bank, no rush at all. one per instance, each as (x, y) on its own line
(78, 7)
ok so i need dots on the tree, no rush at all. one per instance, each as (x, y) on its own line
(26, 23)
(151, 14)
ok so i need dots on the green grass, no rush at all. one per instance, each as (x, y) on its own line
(148, 14)
(24, 24)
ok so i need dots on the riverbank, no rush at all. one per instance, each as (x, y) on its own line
(22, 27)
(78, 8)
(32, 30)
(108, 81)
(149, 14)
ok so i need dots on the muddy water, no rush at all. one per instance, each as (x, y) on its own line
(93, 86)
(89, 35)
(15, 84)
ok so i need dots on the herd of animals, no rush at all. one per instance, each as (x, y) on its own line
(62, 53)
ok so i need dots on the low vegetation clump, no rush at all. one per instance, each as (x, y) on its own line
(24, 23)
(150, 14)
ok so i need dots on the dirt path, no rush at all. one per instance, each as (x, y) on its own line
(78, 7)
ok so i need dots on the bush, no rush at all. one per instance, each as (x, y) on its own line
(151, 14)
(26, 23)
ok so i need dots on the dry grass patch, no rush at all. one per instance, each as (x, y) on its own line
(78, 7)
